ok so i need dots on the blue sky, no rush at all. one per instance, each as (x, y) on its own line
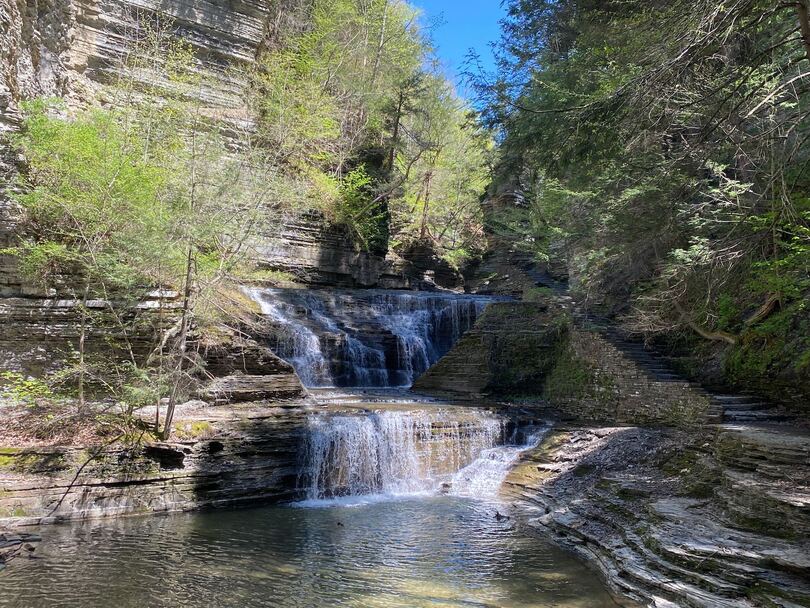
(465, 24)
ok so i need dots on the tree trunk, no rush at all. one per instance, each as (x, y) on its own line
(804, 23)
(82, 339)
(392, 153)
(704, 333)
(160, 346)
(380, 45)
(184, 324)
(423, 231)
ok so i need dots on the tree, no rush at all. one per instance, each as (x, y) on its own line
(356, 106)
(150, 198)
(665, 144)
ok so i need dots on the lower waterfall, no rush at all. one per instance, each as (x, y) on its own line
(405, 453)
(483, 477)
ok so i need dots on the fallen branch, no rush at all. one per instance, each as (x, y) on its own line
(764, 311)
(709, 335)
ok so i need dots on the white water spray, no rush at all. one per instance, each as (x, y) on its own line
(364, 338)
(393, 453)
(483, 477)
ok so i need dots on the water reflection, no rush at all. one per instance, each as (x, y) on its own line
(441, 551)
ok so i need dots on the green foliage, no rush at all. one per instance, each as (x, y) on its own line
(663, 150)
(90, 197)
(447, 172)
(23, 389)
(298, 116)
(727, 312)
(536, 294)
(358, 89)
(360, 211)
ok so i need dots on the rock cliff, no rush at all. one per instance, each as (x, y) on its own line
(72, 49)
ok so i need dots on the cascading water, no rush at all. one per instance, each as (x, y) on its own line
(483, 477)
(393, 453)
(364, 338)
(377, 338)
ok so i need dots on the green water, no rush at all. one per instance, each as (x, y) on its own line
(432, 551)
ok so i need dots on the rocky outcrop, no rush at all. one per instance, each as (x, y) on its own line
(509, 350)
(243, 370)
(314, 252)
(34, 43)
(218, 456)
(14, 545)
(652, 509)
(426, 263)
(240, 388)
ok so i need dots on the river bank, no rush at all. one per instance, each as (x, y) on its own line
(674, 518)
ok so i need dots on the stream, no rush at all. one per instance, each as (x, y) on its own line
(399, 494)
(426, 551)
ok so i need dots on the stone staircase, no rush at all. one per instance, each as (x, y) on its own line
(727, 408)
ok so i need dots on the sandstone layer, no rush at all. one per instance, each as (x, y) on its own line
(217, 456)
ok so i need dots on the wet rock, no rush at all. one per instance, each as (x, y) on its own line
(16, 545)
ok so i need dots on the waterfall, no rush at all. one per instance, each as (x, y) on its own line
(364, 338)
(483, 477)
(393, 453)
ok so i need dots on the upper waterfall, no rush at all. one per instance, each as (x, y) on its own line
(364, 338)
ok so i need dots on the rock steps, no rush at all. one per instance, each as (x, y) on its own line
(726, 408)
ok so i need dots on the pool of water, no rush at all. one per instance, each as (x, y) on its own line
(430, 551)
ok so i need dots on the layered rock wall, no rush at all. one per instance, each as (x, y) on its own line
(314, 252)
(244, 370)
(217, 457)
(525, 348)
(510, 350)
(677, 518)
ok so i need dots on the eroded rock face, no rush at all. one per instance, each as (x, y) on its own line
(34, 41)
(316, 253)
(243, 370)
(663, 514)
(510, 349)
(218, 457)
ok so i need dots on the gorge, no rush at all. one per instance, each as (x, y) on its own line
(287, 321)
